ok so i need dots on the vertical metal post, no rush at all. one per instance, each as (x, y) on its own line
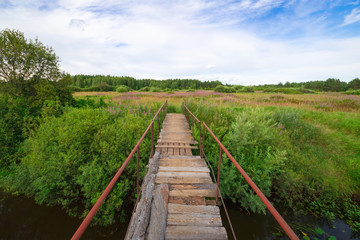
(218, 175)
(203, 143)
(152, 139)
(137, 170)
(200, 137)
(158, 125)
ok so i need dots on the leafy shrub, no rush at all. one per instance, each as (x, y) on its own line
(352, 92)
(144, 89)
(71, 159)
(253, 141)
(155, 89)
(245, 90)
(289, 90)
(102, 87)
(122, 88)
(13, 112)
(224, 89)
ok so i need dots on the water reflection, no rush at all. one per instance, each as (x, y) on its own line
(22, 218)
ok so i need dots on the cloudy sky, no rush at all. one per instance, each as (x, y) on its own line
(238, 42)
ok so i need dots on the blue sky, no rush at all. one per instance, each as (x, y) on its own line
(239, 42)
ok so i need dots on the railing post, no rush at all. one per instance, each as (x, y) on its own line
(218, 175)
(158, 126)
(200, 137)
(203, 143)
(137, 170)
(152, 139)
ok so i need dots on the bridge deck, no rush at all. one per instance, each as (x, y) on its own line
(191, 212)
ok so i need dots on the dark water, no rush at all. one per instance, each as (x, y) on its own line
(22, 218)
(259, 226)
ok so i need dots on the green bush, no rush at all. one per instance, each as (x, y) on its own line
(71, 159)
(122, 88)
(224, 89)
(245, 90)
(352, 92)
(144, 89)
(289, 90)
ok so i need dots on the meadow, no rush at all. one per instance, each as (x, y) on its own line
(302, 150)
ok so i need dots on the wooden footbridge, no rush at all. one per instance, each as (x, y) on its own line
(179, 199)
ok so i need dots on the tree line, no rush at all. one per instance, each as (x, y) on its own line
(109, 83)
(329, 85)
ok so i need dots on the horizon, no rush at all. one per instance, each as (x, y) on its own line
(236, 42)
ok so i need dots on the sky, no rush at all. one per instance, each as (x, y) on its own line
(247, 42)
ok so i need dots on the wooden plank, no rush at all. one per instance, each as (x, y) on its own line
(183, 169)
(176, 150)
(182, 163)
(194, 220)
(195, 232)
(196, 209)
(192, 186)
(187, 200)
(183, 174)
(172, 146)
(184, 157)
(193, 193)
(178, 141)
(180, 180)
(210, 202)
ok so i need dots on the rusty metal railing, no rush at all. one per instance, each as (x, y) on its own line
(263, 198)
(188, 113)
(159, 114)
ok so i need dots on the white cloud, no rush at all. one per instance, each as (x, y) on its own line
(353, 17)
(161, 39)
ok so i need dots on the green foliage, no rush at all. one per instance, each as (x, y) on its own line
(245, 90)
(13, 112)
(296, 157)
(30, 69)
(85, 82)
(123, 88)
(224, 89)
(352, 92)
(71, 159)
(289, 90)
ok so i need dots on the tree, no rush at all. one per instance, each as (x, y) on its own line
(30, 69)
(354, 84)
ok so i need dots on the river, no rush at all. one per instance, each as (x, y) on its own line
(22, 218)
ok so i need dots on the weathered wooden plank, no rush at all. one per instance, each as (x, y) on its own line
(193, 193)
(172, 146)
(182, 163)
(210, 202)
(176, 180)
(195, 209)
(184, 169)
(195, 232)
(178, 141)
(183, 174)
(192, 186)
(187, 200)
(183, 157)
(176, 150)
(178, 219)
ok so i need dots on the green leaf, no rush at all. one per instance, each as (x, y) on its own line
(332, 238)
(319, 231)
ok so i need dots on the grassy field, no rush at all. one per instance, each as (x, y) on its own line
(303, 151)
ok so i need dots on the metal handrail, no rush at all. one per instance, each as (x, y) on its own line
(79, 232)
(263, 198)
(191, 124)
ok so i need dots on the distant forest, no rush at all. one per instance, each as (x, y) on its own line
(110, 83)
